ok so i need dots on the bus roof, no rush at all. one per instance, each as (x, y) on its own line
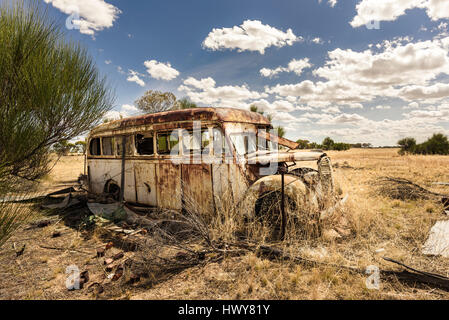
(196, 114)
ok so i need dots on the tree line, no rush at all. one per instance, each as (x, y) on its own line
(330, 144)
(437, 144)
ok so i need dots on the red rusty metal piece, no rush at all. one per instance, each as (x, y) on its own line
(197, 114)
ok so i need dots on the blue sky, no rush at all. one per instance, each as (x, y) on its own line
(356, 70)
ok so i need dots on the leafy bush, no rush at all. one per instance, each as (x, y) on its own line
(437, 144)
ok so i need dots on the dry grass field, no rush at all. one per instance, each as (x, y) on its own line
(380, 226)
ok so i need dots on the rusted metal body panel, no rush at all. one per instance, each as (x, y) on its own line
(146, 182)
(169, 194)
(170, 181)
(218, 115)
(197, 187)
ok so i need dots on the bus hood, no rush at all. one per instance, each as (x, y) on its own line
(265, 157)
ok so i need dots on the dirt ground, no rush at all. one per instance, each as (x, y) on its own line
(380, 227)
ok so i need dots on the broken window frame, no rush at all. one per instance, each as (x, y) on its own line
(170, 135)
(191, 134)
(129, 145)
(112, 143)
(98, 139)
(146, 135)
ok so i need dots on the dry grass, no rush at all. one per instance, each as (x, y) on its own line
(399, 228)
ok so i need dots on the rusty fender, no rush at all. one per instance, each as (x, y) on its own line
(295, 189)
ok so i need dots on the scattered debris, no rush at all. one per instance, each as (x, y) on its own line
(84, 277)
(445, 202)
(403, 189)
(418, 275)
(438, 241)
(109, 211)
(118, 256)
(96, 288)
(108, 261)
(68, 201)
(20, 251)
(118, 273)
(56, 234)
(441, 183)
(109, 245)
(40, 224)
(100, 252)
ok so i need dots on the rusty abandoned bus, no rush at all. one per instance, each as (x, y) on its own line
(205, 154)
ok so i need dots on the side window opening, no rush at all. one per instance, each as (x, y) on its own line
(244, 143)
(166, 142)
(107, 144)
(128, 143)
(94, 147)
(219, 143)
(196, 143)
(144, 144)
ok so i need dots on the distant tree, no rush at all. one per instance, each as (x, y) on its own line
(280, 131)
(340, 146)
(50, 91)
(185, 103)
(254, 108)
(63, 148)
(437, 144)
(156, 101)
(81, 146)
(328, 143)
(408, 145)
(303, 144)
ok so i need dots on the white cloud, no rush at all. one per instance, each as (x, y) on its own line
(317, 40)
(332, 3)
(125, 111)
(89, 16)
(429, 93)
(160, 70)
(108, 61)
(296, 66)
(390, 10)
(206, 92)
(252, 35)
(411, 105)
(394, 69)
(130, 108)
(382, 107)
(134, 77)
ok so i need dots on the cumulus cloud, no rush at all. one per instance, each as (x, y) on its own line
(252, 35)
(206, 92)
(160, 70)
(392, 69)
(296, 66)
(390, 10)
(125, 111)
(89, 16)
(134, 77)
(429, 93)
